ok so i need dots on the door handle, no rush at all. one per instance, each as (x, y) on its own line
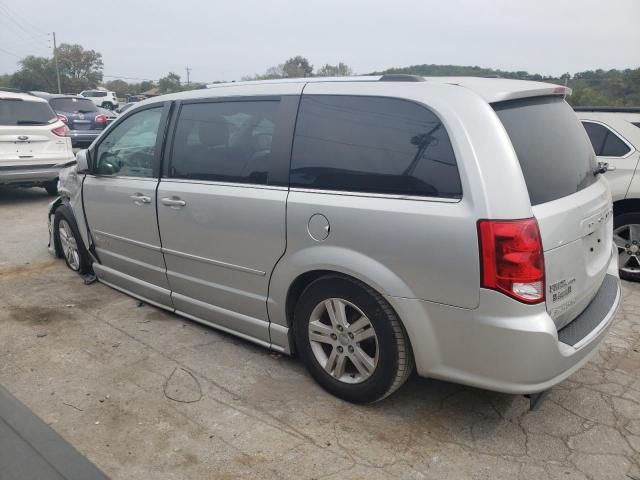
(173, 202)
(140, 198)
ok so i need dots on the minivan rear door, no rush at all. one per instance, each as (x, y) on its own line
(571, 203)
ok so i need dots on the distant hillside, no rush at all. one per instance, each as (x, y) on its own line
(599, 87)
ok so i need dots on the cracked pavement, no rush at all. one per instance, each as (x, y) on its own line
(146, 394)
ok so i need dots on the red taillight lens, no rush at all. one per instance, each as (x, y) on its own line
(511, 258)
(63, 118)
(101, 119)
(62, 131)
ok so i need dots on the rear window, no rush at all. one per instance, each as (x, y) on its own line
(21, 112)
(73, 105)
(554, 151)
(372, 145)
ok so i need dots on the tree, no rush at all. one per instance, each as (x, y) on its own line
(121, 87)
(297, 67)
(35, 73)
(340, 70)
(79, 68)
(170, 83)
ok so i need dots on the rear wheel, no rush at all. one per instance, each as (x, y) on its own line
(626, 235)
(351, 340)
(68, 241)
(51, 187)
(107, 105)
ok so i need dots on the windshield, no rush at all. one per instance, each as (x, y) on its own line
(554, 151)
(73, 105)
(21, 112)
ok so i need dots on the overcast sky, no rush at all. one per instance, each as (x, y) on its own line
(227, 39)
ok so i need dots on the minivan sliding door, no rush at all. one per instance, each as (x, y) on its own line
(222, 209)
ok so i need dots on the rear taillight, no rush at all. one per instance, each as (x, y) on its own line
(63, 118)
(511, 258)
(61, 131)
(101, 119)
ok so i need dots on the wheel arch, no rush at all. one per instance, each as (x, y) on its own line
(627, 205)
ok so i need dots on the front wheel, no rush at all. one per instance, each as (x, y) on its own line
(626, 235)
(351, 340)
(68, 242)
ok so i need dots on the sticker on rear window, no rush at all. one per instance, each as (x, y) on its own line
(561, 290)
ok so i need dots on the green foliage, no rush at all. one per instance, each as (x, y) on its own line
(79, 69)
(593, 88)
(121, 87)
(340, 70)
(170, 83)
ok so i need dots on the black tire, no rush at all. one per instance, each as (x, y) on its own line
(107, 105)
(51, 187)
(621, 221)
(83, 264)
(394, 356)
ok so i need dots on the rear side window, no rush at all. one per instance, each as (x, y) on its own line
(224, 141)
(22, 112)
(553, 149)
(605, 143)
(74, 105)
(372, 145)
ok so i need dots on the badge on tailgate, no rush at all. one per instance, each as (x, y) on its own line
(594, 222)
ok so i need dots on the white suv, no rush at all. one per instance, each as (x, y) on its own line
(102, 98)
(615, 136)
(34, 142)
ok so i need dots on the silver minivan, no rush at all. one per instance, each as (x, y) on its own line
(367, 224)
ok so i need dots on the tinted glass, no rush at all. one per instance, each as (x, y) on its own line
(553, 149)
(372, 144)
(20, 112)
(129, 149)
(605, 142)
(224, 141)
(73, 105)
(637, 124)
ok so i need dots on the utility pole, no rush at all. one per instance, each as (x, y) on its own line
(55, 59)
(188, 72)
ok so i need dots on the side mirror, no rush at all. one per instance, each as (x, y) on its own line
(83, 161)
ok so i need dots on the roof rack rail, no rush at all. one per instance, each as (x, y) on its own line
(400, 77)
(12, 90)
(608, 109)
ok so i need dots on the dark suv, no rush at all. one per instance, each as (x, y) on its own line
(81, 116)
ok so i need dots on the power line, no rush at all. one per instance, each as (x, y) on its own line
(9, 53)
(21, 21)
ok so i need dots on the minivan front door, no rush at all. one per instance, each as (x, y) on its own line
(120, 206)
(222, 213)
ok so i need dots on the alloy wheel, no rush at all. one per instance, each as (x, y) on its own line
(627, 239)
(69, 245)
(343, 340)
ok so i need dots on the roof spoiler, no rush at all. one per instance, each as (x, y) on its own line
(400, 77)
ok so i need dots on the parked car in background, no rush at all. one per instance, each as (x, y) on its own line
(368, 224)
(84, 119)
(101, 98)
(615, 135)
(125, 107)
(34, 142)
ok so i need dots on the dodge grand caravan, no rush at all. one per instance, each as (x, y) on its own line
(461, 225)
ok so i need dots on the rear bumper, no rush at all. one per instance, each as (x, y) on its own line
(84, 138)
(504, 345)
(29, 174)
